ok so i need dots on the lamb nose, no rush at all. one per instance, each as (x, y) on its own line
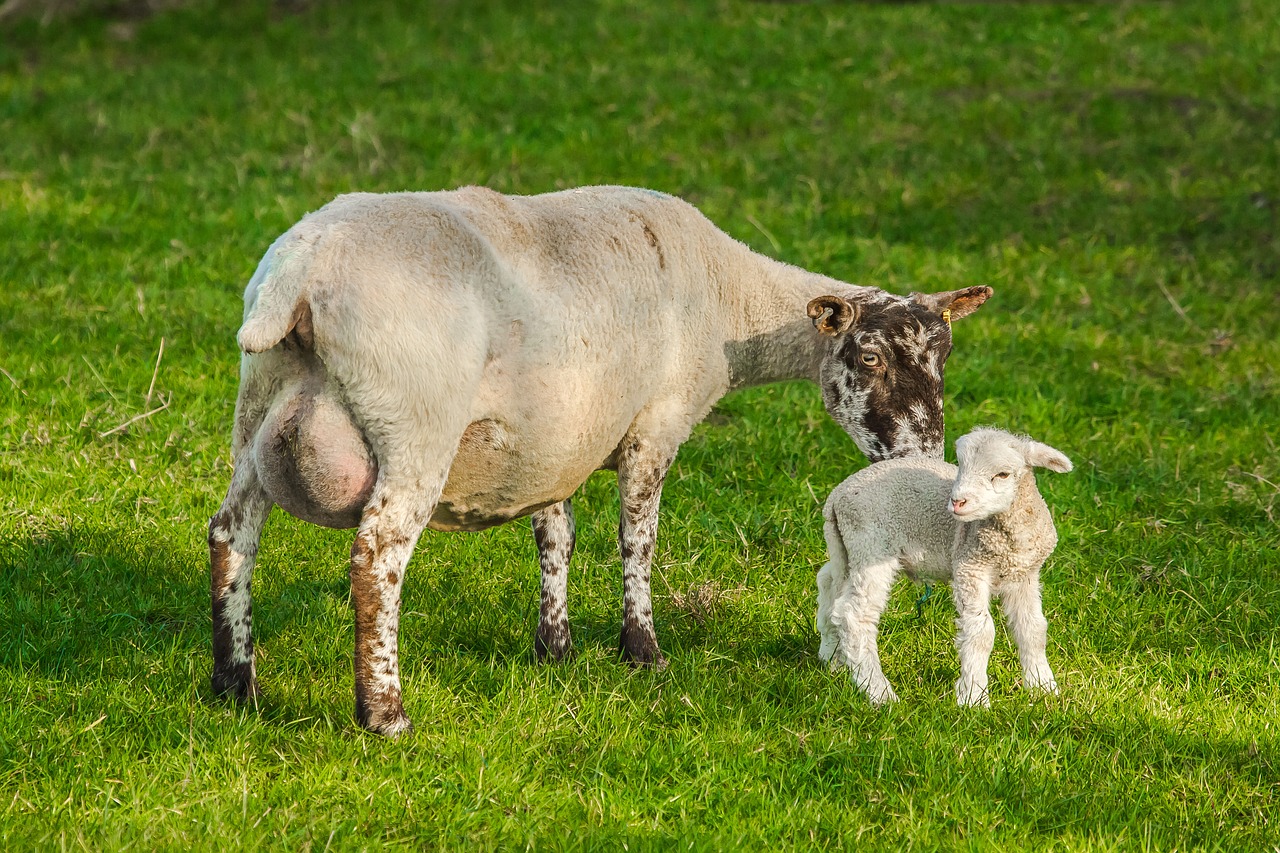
(958, 503)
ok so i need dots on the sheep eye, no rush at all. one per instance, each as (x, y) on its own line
(1003, 475)
(870, 359)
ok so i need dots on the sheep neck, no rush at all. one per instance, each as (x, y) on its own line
(769, 337)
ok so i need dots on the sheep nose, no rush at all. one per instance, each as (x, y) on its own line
(957, 504)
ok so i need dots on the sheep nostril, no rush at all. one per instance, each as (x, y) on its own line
(958, 504)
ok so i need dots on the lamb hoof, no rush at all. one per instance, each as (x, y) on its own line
(972, 696)
(882, 698)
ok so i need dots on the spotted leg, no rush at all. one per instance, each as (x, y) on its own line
(389, 528)
(234, 532)
(642, 468)
(554, 533)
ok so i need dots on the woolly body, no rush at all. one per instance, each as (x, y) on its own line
(982, 525)
(459, 359)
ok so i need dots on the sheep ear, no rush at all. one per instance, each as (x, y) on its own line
(832, 315)
(1043, 456)
(961, 303)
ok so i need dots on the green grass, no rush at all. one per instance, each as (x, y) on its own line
(1113, 170)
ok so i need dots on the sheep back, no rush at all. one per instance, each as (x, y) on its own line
(897, 509)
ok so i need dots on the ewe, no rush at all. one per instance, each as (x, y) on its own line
(456, 360)
(983, 525)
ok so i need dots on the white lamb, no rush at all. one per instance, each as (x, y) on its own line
(983, 525)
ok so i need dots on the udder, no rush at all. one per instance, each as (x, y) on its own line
(313, 461)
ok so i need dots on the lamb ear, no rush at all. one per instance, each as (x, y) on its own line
(832, 315)
(961, 303)
(1043, 456)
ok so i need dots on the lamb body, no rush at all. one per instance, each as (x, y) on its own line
(983, 525)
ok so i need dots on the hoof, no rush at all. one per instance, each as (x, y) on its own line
(236, 682)
(386, 722)
(552, 645)
(383, 714)
(396, 727)
(641, 652)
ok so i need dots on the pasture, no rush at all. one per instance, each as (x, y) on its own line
(1111, 169)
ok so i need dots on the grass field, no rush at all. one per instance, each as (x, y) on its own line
(1111, 169)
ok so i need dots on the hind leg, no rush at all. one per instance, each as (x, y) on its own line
(389, 529)
(829, 578)
(855, 616)
(234, 532)
(553, 530)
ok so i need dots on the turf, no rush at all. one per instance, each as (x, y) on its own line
(1111, 169)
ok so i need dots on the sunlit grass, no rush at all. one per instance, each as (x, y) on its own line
(1113, 170)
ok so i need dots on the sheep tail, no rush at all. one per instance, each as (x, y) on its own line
(275, 302)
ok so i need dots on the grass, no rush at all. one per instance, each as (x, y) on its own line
(1113, 170)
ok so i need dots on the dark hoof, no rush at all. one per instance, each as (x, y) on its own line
(384, 716)
(642, 652)
(552, 646)
(394, 727)
(236, 682)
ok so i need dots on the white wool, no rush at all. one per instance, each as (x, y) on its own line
(983, 526)
(456, 360)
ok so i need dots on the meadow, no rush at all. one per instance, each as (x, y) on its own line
(1111, 169)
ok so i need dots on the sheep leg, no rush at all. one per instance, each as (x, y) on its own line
(642, 468)
(855, 616)
(975, 635)
(830, 579)
(389, 529)
(234, 532)
(553, 531)
(1022, 610)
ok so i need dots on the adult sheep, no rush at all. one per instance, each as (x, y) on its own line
(455, 360)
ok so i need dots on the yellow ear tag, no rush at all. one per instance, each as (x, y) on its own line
(946, 315)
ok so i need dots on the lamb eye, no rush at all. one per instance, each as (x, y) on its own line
(870, 359)
(1003, 475)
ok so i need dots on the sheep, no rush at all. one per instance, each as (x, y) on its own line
(982, 525)
(455, 360)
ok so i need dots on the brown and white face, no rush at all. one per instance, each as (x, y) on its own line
(882, 377)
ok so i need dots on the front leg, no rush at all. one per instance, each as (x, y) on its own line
(1021, 603)
(554, 533)
(975, 634)
(642, 468)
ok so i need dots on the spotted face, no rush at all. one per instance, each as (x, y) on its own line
(882, 376)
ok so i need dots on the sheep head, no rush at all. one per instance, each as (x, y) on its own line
(882, 374)
(993, 465)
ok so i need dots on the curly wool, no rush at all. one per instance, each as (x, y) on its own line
(982, 525)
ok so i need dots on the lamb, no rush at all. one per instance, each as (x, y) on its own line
(984, 525)
(455, 360)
